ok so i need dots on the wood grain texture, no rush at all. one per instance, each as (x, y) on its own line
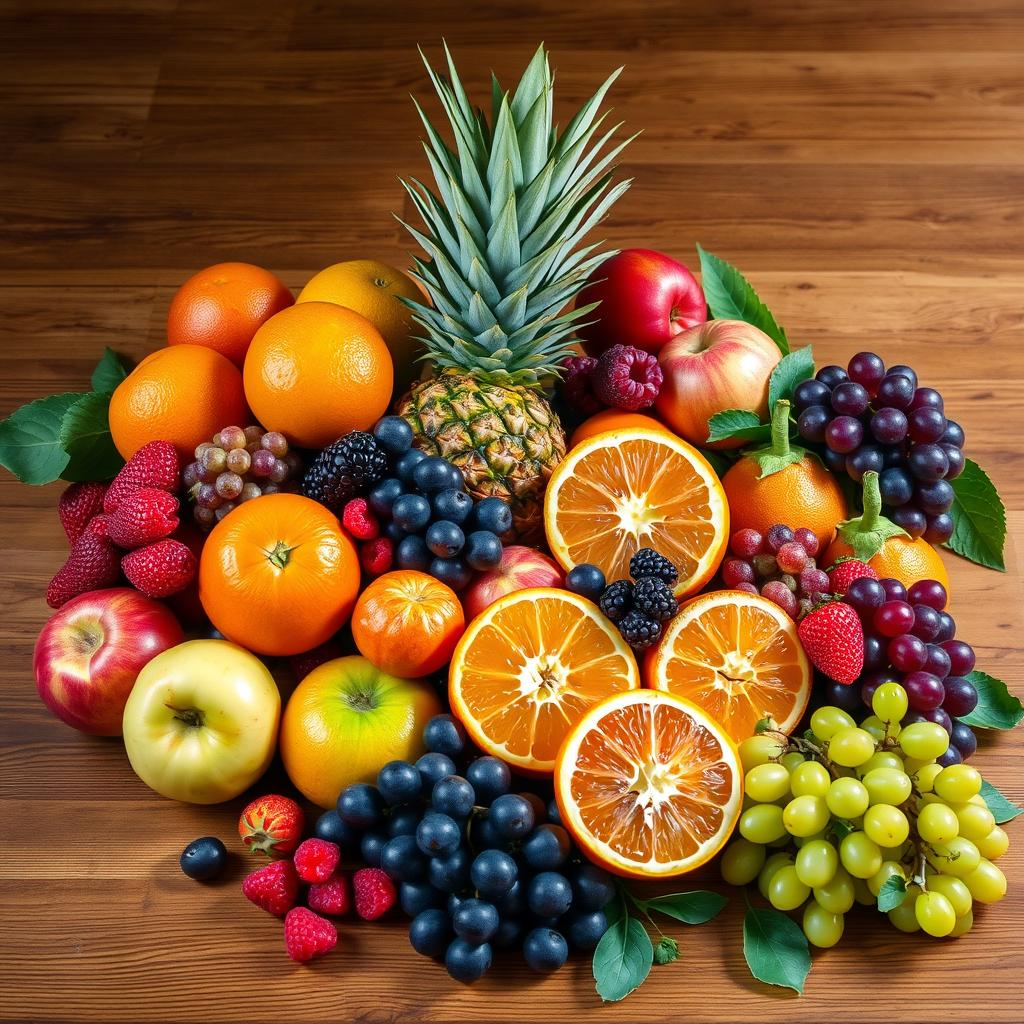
(863, 163)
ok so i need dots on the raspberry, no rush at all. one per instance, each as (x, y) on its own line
(91, 565)
(374, 893)
(627, 378)
(273, 888)
(160, 569)
(77, 505)
(307, 935)
(654, 598)
(617, 599)
(330, 897)
(638, 630)
(145, 516)
(359, 520)
(153, 465)
(316, 859)
(376, 556)
(647, 562)
(577, 384)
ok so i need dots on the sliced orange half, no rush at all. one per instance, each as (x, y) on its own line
(649, 785)
(626, 489)
(527, 669)
(737, 656)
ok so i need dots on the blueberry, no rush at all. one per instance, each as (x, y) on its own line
(438, 835)
(411, 512)
(490, 777)
(549, 894)
(402, 860)
(509, 933)
(403, 821)
(586, 928)
(554, 814)
(586, 580)
(204, 859)
(512, 816)
(412, 553)
(546, 847)
(407, 463)
(361, 805)
(483, 550)
(452, 571)
(433, 474)
(451, 873)
(453, 795)
(540, 808)
(454, 902)
(444, 734)
(433, 767)
(398, 782)
(592, 888)
(494, 515)
(493, 873)
(370, 848)
(415, 897)
(445, 539)
(513, 903)
(393, 434)
(394, 533)
(452, 504)
(467, 962)
(383, 496)
(485, 836)
(329, 826)
(545, 950)
(430, 931)
(475, 920)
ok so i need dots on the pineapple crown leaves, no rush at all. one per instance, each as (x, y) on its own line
(503, 230)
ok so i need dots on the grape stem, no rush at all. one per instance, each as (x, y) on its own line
(805, 746)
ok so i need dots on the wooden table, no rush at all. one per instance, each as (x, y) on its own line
(863, 163)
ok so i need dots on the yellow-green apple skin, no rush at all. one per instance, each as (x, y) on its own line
(201, 722)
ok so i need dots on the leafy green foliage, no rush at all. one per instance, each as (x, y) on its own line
(109, 372)
(794, 367)
(623, 957)
(775, 948)
(666, 951)
(30, 439)
(695, 907)
(738, 424)
(979, 519)
(1003, 810)
(997, 707)
(892, 894)
(85, 436)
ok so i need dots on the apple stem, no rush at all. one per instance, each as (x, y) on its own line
(192, 717)
(780, 428)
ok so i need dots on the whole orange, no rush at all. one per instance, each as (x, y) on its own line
(316, 371)
(613, 419)
(183, 395)
(223, 306)
(900, 559)
(407, 623)
(278, 575)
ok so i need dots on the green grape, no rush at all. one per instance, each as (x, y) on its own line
(793, 760)
(852, 746)
(978, 799)
(801, 841)
(767, 783)
(995, 844)
(847, 798)
(986, 883)
(771, 865)
(810, 779)
(954, 890)
(959, 857)
(958, 783)
(962, 926)
(762, 824)
(860, 855)
(878, 729)
(924, 740)
(934, 914)
(760, 749)
(886, 825)
(822, 927)
(887, 786)
(924, 777)
(862, 894)
(837, 896)
(914, 764)
(827, 721)
(781, 843)
(816, 863)
(785, 890)
(975, 822)
(889, 702)
(805, 815)
(889, 869)
(742, 862)
(903, 917)
(880, 759)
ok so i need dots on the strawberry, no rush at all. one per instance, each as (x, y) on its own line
(307, 935)
(374, 893)
(91, 565)
(153, 465)
(273, 888)
(376, 556)
(271, 825)
(833, 639)
(316, 859)
(77, 505)
(359, 520)
(844, 572)
(330, 897)
(160, 569)
(143, 517)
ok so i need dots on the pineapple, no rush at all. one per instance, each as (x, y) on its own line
(514, 199)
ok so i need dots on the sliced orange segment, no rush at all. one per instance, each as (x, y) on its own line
(625, 489)
(527, 669)
(737, 656)
(649, 785)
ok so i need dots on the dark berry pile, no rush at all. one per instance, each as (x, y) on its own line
(478, 867)
(866, 418)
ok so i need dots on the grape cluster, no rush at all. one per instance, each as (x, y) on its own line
(846, 809)
(478, 867)
(909, 637)
(238, 465)
(779, 565)
(866, 418)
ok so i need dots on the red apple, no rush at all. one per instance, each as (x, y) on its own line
(520, 567)
(89, 653)
(646, 297)
(723, 364)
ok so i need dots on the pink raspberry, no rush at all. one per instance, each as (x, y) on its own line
(376, 556)
(577, 384)
(627, 378)
(359, 520)
(316, 859)
(307, 935)
(331, 897)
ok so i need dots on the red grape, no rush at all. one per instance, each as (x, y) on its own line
(747, 588)
(962, 737)
(953, 434)
(947, 628)
(791, 557)
(894, 590)
(864, 595)
(956, 461)
(875, 651)
(868, 369)
(844, 434)
(924, 691)
(939, 528)
(904, 371)
(938, 661)
(926, 425)
(961, 696)
(961, 657)
(778, 535)
(889, 426)
(735, 570)
(926, 622)
(895, 391)
(746, 543)
(951, 755)
(808, 540)
(811, 423)
(814, 581)
(831, 375)
(929, 592)
(808, 393)
(893, 618)
(927, 462)
(850, 399)
(913, 520)
(778, 593)
(927, 398)
(907, 653)
(940, 717)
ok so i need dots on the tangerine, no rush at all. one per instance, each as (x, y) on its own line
(613, 419)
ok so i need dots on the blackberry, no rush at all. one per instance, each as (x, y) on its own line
(639, 631)
(344, 469)
(647, 562)
(617, 599)
(654, 598)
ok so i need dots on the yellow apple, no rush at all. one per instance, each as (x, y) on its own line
(201, 722)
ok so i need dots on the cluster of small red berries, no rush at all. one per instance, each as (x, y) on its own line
(376, 553)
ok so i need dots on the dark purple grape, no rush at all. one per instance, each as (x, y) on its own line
(964, 740)
(911, 717)
(953, 434)
(808, 393)
(864, 595)
(924, 691)
(895, 485)
(940, 717)
(871, 682)
(961, 657)
(938, 661)
(839, 695)
(844, 434)
(832, 375)
(907, 653)
(867, 369)
(951, 755)
(894, 618)
(849, 399)
(961, 696)
(894, 590)
(947, 628)
(876, 653)
(889, 426)
(895, 391)
(894, 457)
(939, 528)
(904, 371)
(927, 398)
(925, 425)
(928, 462)
(866, 459)
(835, 462)
(929, 592)
(935, 498)
(956, 461)
(926, 623)
(811, 423)
(911, 519)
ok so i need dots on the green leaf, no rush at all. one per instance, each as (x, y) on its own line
(793, 368)
(979, 519)
(622, 959)
(1003, 810)
(720, 461)
(85, 436)
(30, 439)
(775, 949)
(997, 707)
(666, 951)
(730, 296)
(109, 372)
(842, 828)
(689, 907)
(892, 893)
(738, 424)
